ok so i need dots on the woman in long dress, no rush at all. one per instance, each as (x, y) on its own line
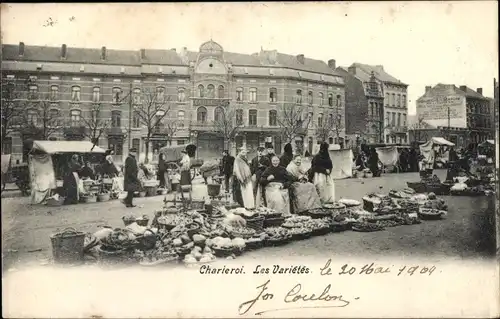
(321, 168)
(276, 181)
(185, 169)
(287, 156)
(243, 185)
(71, 182)
(303, 193)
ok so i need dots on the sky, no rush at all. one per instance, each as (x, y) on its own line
(420, 43)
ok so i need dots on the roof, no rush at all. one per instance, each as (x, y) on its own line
(10, 52)
(450, 88)
(364, 71)
(54, 147)
(470, 93)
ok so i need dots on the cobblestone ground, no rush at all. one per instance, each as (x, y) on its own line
(464, 234)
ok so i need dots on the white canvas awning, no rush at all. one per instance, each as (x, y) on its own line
(59, 147)
(441, 141)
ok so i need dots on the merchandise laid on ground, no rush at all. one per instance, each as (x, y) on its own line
(218, 229)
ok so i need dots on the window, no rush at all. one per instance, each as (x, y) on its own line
(393, 99)
(54, 117)
(393, 119)
(7, 145)
(116, 146)
(201, 115)
(387, 139)
(330, 140)
(404, 119)
(117, 95)
(330, 119)
(54, 92)
(181, 95)
(136, 96)
(96, 94)
(310, 116)
(310, 97)
(219, 114)
(387, 118)
(239, 94)
(239, 117)
(252, 117)
(201, 91)
(136, 120)
(253, 95)
(371, 110)
(116, 117)
(399, 119)
(339, 100)
(75, 94)
(210, 91)
(33, 92)
(273, 118)
(398, 100)
(74, 116)
(377, 111)
(180, 118)
(273, 95)
(387, 99)
(330, 99)
(181, 142)
(298, 97)
(321, 99)
(136, 143)
(160, 94)
(221, 92)
(32, 117)
(320, 119)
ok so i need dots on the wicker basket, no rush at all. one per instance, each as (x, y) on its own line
(273, 222)
(256, 223)
(104, 197)
(222, 252)
(151, 190)
(198, 204)
(213, 190)
(278, 242)
(68, 246)
(88, 199)
(418, 187)
(142, 221)
(193, 229)
(52, 202)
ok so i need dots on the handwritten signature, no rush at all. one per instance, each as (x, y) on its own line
(294, 297)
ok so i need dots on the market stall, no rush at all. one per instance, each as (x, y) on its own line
(342, 160)
(429, 151)
(47, 161)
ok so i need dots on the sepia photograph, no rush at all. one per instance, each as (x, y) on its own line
(250, 159)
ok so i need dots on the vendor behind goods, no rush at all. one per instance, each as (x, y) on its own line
(185, 169)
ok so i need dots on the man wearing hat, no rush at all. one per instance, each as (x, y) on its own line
(258, 166)
(270, 152)
(130, 182)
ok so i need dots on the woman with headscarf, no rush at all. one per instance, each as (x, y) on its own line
(276, 181)
(243, 185)
(287, 156)
(302, 193)
(71, 181)
(108, 168)
(321, 168)
(373, 162)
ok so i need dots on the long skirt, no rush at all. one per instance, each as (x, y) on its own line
(278, 199)
(304, 197)
(325, 187)
(185, 178)
(71, 189)
(243, 194)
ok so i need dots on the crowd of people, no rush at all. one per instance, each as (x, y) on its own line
(279, 182)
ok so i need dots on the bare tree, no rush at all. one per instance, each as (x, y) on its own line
(151, 107)
(170, 127)
(11, 109)
(39, 117)
(337, 121)
(226, 125)
(417, 129)
(95, 125)
(291, 121)
(324, 128)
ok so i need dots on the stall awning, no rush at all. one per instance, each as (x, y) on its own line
(441, 141)
(58, 147)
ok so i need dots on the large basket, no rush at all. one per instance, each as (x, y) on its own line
(256, 223)
(418, 187)
(88, 199)
(273, 222)
(104, 197)
(439, 189)
(213, 190)
(151, 190)
(221, 252)
(198, 205)
(68, 246)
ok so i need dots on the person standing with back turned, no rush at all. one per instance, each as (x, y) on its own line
(131, 182)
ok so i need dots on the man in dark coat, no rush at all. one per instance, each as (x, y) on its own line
(227, 168)
(270, 153)
(131, 183)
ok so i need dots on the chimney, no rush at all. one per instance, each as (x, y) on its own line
(300, 58)
(21, 48)
(103, 53)
(480, 91)
(63, 51)
(427, 89)
(143, 54)
(380, 67)
(352, 70)
(332, 64)
(463, 88)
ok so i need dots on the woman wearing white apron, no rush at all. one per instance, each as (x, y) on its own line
(321, 167)
(276, 181)
(243, 185)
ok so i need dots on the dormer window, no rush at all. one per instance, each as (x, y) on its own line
(246, 70)
(271, 72)
(39, 66)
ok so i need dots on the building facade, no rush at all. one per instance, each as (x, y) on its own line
(386, 103)
(196, 88)
(458, 113)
